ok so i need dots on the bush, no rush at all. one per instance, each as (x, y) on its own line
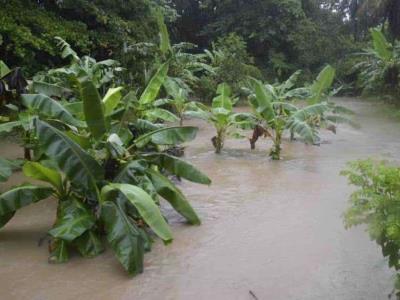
(377, 204)
(232, 65)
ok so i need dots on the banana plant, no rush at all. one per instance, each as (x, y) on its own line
(274, 117)
(380, 67)
(177, 100)
(107, 180)
(321, 91)
(226, 122)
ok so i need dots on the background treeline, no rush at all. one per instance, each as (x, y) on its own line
(277, 36)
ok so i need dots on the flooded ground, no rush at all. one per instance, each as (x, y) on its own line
(272, 228)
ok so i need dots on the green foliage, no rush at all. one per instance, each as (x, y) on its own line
(226, 122)
(103, 159)
(231, 64)
(275, 111)
(375, 203)
(380, 66)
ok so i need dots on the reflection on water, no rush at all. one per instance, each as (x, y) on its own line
(274, 228)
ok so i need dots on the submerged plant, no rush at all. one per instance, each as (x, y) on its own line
(274, 117)
(103, 160)
(276, 112)
(226, 122)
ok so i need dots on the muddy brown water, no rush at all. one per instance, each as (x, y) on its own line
(272, 228)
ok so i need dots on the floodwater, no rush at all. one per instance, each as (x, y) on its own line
(271, 230)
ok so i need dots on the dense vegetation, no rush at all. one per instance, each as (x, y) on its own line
(98, 93)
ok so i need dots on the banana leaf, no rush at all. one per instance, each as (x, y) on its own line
(178, 167)
(123, 236)
(92, 108)
(145, 206)
(79, 167)
(44, 105)
(166, 189)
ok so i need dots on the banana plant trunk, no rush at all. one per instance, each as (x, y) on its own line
(275, 153)
(218, 142)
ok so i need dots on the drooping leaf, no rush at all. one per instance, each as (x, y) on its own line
(58, 252)
(166, 189)
(153, 88)
(161, 114)
(49, 107)
(10, 126)
(79, 166)
(178, 167)
(133, 173)
(73, 220)
(81, 140)
(92, 108)
(50, 90)
(67, 51)
(21, 196)
(37, 171)
(146, 207)
(111, 100)
(123, 237)
(89, 244)
(298, 121)
(168, 136)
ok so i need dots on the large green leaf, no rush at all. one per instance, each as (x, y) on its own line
(153, 88)
(168, 136)
(262, 102)
(49, 107)
(161, 114)
(67, 51)
(146, 207)
(50, 90)
(323, 82)
(166, 189)
(59, 252)
(223, 99)
(111, 99)
(21, 196)
(165, 44)
(92, 108)
(36, 170)
(123, 236)
(133, 173)
(381, 45)
(72, 221)
(79, 166)
(10, 126)
(89, 244)
(178, 167)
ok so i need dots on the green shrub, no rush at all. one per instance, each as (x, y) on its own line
(376, 203)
